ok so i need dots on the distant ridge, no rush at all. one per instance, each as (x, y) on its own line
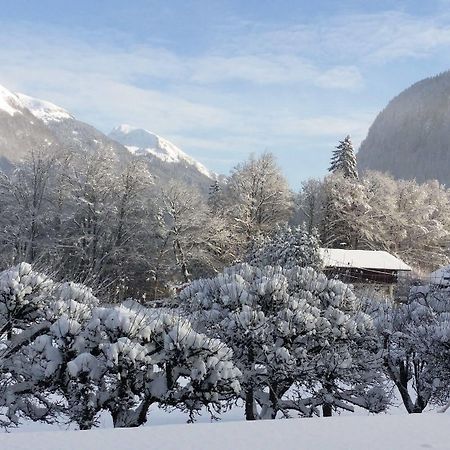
(27, 123)
(143, 142)
(410, 138)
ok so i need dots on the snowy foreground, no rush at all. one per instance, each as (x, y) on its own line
(384, 432)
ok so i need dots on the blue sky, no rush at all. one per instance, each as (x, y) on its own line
(223, 79)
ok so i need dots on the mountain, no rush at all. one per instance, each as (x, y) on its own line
(20, 130)
(410, 138)
(159, 152)
(27, 123)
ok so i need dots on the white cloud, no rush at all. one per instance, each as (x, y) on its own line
(328, 127)
(273, 69)
(355, 38)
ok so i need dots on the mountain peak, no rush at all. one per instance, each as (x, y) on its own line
(124, 129)
(44, 110)
(144, 142)
(9, 102)
(14, 103)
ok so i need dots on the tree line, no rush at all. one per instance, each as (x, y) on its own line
(92, 219)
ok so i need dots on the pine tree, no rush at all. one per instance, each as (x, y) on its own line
(214, 194)
(344, 160)
(286, 247)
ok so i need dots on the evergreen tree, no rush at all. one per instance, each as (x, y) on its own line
(344, 160)
(214, 195)
(286, 247)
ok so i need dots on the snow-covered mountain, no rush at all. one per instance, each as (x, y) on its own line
(46, 111)
(20, 130)
(28, 123)
(143, 142)
(410, 138)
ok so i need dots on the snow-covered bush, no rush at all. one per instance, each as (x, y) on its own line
(23, 297)
(128, 358)
(415, 336)
(24, 308)
(299, 339)
(35, 309)
(77, 358)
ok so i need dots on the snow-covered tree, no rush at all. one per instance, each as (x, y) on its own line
(286, 247)
(345, 213)
(127, 263)
(92, 195)
(299, 339)
(415, 338)
(310, 204)
(190, 240)
(215, 200)
(28, 195)
(129, 358)
(257, 197)
(380, 213)
(344, 159)
(75, 359)
(24, 307)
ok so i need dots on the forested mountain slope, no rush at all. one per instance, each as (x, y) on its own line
(410, 138)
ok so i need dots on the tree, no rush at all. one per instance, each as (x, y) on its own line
(63, 355)
(215, 198)
(344, 160)
(127, 264)
(380, 213)
(257, 197)
(286, 247)
(310, 204)
(415, 344)
(189, 240)
(299, 339)
(345, 212)
(27, 206)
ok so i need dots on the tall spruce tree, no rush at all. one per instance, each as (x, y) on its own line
(344, 160)
(214, 200)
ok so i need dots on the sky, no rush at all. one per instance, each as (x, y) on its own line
(225, 79)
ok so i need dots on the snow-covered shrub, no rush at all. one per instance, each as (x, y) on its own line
(31, 354)
(128, 358)
(415, 336)
(299, 339)
(23, 297)
(75, 358)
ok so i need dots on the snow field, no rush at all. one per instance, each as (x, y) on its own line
(383, 432)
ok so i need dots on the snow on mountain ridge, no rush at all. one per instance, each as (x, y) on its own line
(9, 102)
(14, 103)
(46, 111)
(141, 141)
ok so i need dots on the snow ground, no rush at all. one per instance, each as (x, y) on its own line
(382, 432)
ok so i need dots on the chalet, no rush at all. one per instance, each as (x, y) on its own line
(363, 266)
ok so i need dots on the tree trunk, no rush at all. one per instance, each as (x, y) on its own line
(273, 401)
(327, 410)
(182, 262)
(249, 405)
